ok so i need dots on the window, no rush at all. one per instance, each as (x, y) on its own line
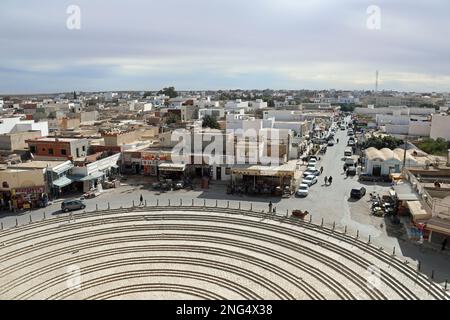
(50, 151)
(63, 151)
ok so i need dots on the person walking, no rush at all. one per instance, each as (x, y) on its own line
(270, 206)
(330, 179)
(444, 244)
(141, 200)
(326, 180)
(321, 170)
(345, 167)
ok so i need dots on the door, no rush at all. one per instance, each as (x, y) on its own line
(376, 171)
(218, 173)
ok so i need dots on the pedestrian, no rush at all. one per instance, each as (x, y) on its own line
(270, 206)
(345, 167)
(444, 244)
(337, 140)
(330, 179)
(141, 200)
(321, 170)
(326, 180)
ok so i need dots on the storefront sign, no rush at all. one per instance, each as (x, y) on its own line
(30, 190)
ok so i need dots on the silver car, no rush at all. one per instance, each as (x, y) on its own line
(70, 205)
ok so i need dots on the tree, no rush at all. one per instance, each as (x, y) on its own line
(172, 118)
(383, 142)
(438, 147)
(170, 92)
(210, 122)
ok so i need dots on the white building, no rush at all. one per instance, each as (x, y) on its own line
(213, 112)
(237, 104)
(258, 104)
(14, 125)
(440, 126)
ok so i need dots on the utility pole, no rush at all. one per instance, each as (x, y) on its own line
(404, 151)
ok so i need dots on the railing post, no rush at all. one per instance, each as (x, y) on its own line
(445, 285)
(204, 202)
(393, 251)
(109, 207)
(432, 274)
(44, 215)
(239, 205)
(96, 207)
(192, 202)
(133, 203)
(2, 225)
(157, 202)
(419, 265)
(216, 203)
(310, 218)
(145, 202)
(228, 204)
(321, 223)
(17, 223)
(30, 219)
(251, 206)
(357, 234)
(181, 202)
(287, 213)
(169, 202)
(345, 230)
(369, 238)
(334, 225)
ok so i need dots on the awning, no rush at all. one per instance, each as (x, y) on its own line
(92, 176)
(172, 167)
(417, 211)
(63, 167)
(62, 182)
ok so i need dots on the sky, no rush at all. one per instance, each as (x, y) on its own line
(224, 44)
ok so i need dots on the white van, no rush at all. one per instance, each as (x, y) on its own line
(348, 152)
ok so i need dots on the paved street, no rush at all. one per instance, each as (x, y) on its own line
(328, 202)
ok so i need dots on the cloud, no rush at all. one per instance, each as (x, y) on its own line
(202, 44)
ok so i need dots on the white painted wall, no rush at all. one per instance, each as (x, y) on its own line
(440, 127)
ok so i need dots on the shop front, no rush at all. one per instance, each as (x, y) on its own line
(29, 198)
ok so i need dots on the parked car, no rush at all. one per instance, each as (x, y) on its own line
(351, 170)
(351, 143)
(310, 180)
(349, 161)
(302, 190)
(330, 143)
(311, 167)
(70, 205)
(178, 185)
(312, 162)
(314, 172)
(358, 193)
